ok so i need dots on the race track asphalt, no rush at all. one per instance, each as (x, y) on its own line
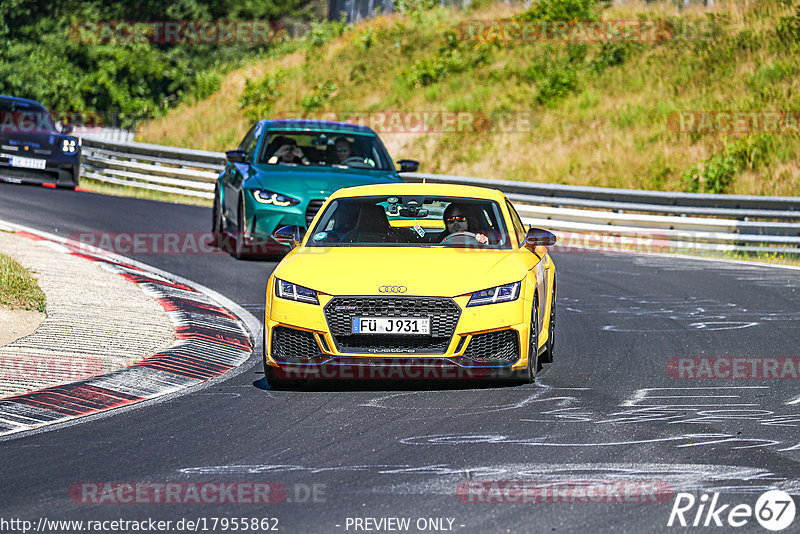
(607, 410)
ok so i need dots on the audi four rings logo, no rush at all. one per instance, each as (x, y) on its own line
(393, 289)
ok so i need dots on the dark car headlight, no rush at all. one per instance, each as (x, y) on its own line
(494, 295)
(290, 291)
(69, 146)
(269, 197)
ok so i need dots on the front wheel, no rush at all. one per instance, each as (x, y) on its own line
(547, 357)
(241, 251)
(217, 224)
(534, 365)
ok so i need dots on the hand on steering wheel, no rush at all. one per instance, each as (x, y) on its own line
(480, 238)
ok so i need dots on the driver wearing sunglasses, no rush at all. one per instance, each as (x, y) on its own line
(456, 220)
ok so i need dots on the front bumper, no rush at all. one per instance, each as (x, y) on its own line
(63, 174)
(266, 218)
(312, 341)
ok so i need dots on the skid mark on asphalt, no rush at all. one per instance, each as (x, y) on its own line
(443, 478)
(690, 313)
(463, 400)
(679, 441)
(721, 406)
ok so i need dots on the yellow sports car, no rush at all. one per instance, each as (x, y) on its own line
(411, 281)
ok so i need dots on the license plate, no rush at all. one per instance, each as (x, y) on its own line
(29, 163)
(395, 325)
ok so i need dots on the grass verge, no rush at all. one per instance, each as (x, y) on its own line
(771, 258)
(133, 192)
(18, 288)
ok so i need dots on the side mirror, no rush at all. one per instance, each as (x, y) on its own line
(236, 156)
(289, 235)
(408, 165)
(538, 237)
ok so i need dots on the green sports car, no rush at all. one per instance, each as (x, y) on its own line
(284, 170)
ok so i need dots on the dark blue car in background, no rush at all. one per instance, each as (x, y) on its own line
(32, 149)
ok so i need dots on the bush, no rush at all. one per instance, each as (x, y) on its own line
(322, 32)
(455, 55)
(611, 54)
(558, 82)
(321, 94)
(561, 10)
(715, 174)
(258, 99)
(788, 30)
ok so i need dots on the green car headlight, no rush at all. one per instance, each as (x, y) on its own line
(505, 293)
(268, 197)
(290, 291)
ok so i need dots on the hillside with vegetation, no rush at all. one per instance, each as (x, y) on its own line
(600, 113)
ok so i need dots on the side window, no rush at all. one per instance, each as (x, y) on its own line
(249, 142)
(519, 228)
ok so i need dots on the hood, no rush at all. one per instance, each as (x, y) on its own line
(447, 272)
(33, 140)
(323, 180)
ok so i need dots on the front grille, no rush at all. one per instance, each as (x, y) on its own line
(500, 346)
(289, 343)
(313, 208)
(442, 312)
(388, 344)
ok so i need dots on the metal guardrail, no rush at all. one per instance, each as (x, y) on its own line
(155, 167)
(685, 220)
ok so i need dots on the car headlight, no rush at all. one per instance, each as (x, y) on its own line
(288, 290)
(69, 146)
(268, 197)
(493, 295)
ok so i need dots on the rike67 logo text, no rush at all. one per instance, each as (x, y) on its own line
(774, 510)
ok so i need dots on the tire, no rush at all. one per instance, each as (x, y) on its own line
(534, 365)
(240, 250)
(547, 357)
(217, 224)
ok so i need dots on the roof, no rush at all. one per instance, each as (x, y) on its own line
(315, 125)
(450, 190)
(23, 100)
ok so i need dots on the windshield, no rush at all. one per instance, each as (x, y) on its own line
(411, 221)
(328, 149)
(17, 116)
